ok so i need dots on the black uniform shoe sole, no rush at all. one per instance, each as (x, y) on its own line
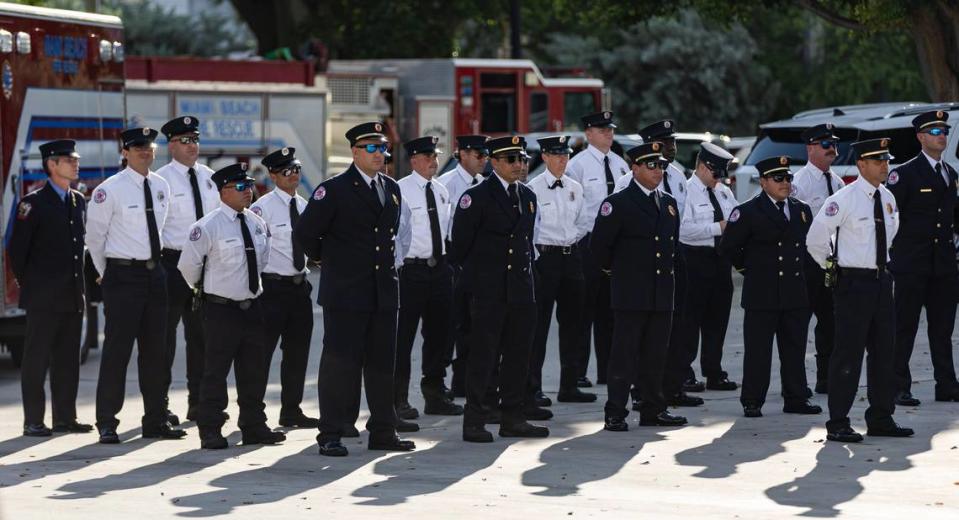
(685, 401)
(812, 410)
(392, 446)
(172, 435)
(679, 421)
(334, 451)
(752, 412)
(576, 398)
(478, 436)
(408, 414)
(538, 433)
(697, 388)
(444, 409)
(899, 432)
(618, 427)
(307, 422)
(407, 427)
(215, 444)
(908, 402)
(722, 387)
(266, 441)
(947, 399)
(72, 428)
(844, 437)
(38, 433)
(109, 439)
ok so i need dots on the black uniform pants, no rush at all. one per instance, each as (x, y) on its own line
(459, 337)
(709, 297)
(425, 293)
(938, 295)
(358, 346)
(135, 308)
(597, 315)
(865, 322)
(236, 338)
(820, 305)
(640, 340)
(677, 360)
(180, 306)
(789, 327)
(559, 282)
(503, 334)
(52, 342)
(288, 311)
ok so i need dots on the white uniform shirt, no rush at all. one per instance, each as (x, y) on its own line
(851, 211)
(414, 238)
(697, 227)
(561, 220)
(218, 237)
(587, 169)
(182, 212)
(809, 186)
(456, 182)
(673, 175)
(117, 218)
(274, 209)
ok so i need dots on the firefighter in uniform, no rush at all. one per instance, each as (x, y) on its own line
(228, 249)
(560, 224)
(286, 301)
(194, 195)
(472, 157)
(46, 254)
(426, 282)
(813, 184)
(709, 290)
(864, 219)
(597, 168)
(350, 225)
(124, 225)
(764, 240)
(493, 245)
(635, 239)
(923, 257)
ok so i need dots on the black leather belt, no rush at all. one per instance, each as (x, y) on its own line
(295, 279)
(563, 250)
(126, 262)
(429, 262)
(861, 271)
(240, 304)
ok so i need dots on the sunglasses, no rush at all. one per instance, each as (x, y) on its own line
(512, 158)
(289, 172)
(656, 165)
(938, 131)
(188, 139)
(373, 148)
(243, 186)
(781, 177)
(828, 143)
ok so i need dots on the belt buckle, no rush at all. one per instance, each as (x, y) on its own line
(245, 304)
(297, 279)
(431, 262)
(150, 264)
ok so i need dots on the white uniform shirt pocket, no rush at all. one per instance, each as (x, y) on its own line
(231, 250)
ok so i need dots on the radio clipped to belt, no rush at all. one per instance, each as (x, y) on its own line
(198, 289)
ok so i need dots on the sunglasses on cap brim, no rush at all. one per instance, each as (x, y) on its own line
(937, 131)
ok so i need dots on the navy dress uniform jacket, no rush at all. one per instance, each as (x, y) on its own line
(46, 250)
(353, 237)
(768, 250)
(927, 213)
(493, 244)
(637, 242)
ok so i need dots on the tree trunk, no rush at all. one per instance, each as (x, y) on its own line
(935, 28)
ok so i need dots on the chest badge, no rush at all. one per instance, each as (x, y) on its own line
(672, 211)
(889, 207)
(23, 210)
(532, 209)
(803, 215)
(396, 201)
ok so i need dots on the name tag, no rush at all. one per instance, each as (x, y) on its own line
(135, 206)
(229, 240)
(546, 204)
(280, 225)
(864, 218)
(925, 190)
(416, 207)
(179, 195)
(705, 205)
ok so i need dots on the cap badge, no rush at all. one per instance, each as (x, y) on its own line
(436, 139)
(187, 120)
(655, 147)
(515, 139)
(378, 127)
(146, 130)
(939, 114)
(667, 124)
(828, 126)
(285, 151)
(783, 160)
(243, 166)
(606, 115)
(562, 139)
(884, 143)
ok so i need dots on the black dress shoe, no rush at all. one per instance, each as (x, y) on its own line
(584, 382)
(164, 431)
(535, 413)
(540, 399)
(948, 395)
(406, 426)
(299, 421)
(262, 435)
(720, 383)
(37, 430)
(684, 399)
(906, 399)
(333, 449)
(393, 443)
(172, 418)
(524, 430)
(575, 395)
(212, 439)
(476, 434)
(693, 385)
(442, 407)
(493, 416)
(615, 424)
(889, 430)
(822, 387)
(446, 392)
(109, 436)
(844, 434)
(350, 431)
(72, 427)
(405, 411)
(803, 408)
(663, 419)
(752, 410)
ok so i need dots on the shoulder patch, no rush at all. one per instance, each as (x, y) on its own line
(734, 216)
(893, 178)
(99, 196)
(319, 193)
(258, 210)
(23, 210)
(606, 209)
(195, 234)
(466, 201)
(832, 209)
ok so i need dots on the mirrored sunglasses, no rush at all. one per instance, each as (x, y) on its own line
(373, 148)
(937, 131)
(188, 139)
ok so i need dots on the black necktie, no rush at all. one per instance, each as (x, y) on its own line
(828, 176)
(197, 201)
(880, 230)
(475, 180)
(514, 197)
(655, 199)
(376, 194)
(434, 221)
(558, 183)
(298, 261)
(610, 183)
(782, 208)
(939, 173)
(717, 212)
(666, 184)
(151, 221)
(253, 278)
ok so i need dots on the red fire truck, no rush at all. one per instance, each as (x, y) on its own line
(62, 77)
